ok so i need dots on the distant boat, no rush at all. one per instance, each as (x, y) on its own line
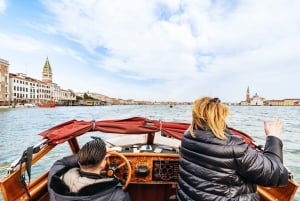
(21, 105)
(47, 105)
(29, 105)
(18, 105)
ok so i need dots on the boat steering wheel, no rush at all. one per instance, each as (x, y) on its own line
(113, 167)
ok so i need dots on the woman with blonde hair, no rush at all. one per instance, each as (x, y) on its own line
(217, 165)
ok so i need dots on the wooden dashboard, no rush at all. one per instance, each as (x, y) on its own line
(149, 167)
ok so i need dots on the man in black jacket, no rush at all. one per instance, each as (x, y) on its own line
(217, 165)
(78, 177)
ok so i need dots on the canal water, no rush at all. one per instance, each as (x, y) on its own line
(19, 127)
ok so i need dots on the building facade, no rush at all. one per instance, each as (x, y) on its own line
(284, 102)
(4, 80)
(28, 90)
(20, 89)
(257, 101)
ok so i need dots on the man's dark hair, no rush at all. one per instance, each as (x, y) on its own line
(92, 153)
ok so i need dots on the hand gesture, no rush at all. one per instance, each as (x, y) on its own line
(275, 129)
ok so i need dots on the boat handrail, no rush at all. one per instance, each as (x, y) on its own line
(15, 163)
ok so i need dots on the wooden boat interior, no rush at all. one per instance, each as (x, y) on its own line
(146, 163)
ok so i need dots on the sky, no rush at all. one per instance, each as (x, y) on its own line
(157, 50)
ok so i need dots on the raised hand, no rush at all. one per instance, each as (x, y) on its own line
(275, 129)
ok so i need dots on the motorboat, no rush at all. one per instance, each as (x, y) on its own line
(144, 155)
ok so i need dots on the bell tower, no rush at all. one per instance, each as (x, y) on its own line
(248, 95)
(47, 72)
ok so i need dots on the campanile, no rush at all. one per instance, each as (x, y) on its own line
(47, 72)
(248, 95)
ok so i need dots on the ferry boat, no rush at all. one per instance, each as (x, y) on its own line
(144, 154)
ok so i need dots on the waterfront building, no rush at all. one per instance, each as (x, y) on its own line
(24, 89)
(66, 97)
(255, 100)
(284, 102)
(19, 89)
(4, 80)
(292, 101)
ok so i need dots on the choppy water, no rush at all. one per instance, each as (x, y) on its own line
(19, 126)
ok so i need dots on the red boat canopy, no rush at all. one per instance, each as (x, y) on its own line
(135, 125)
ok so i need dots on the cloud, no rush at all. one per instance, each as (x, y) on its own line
(19, 42)
(170, 49)
(137, 44)
(2, 6)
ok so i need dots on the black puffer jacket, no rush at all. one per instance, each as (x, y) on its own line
(221, 170)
